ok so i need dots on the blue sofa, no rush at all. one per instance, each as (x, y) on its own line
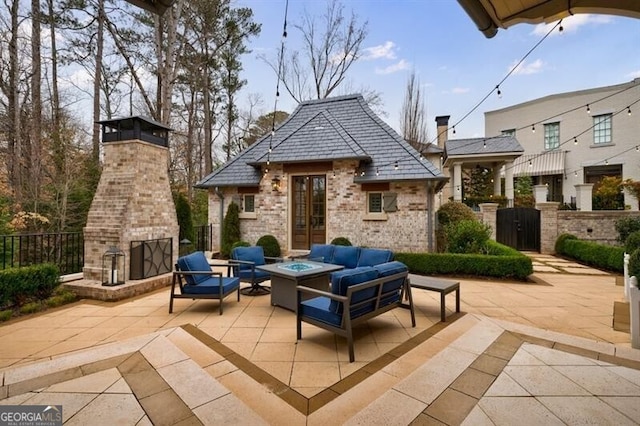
(370, 285)
(349, 256)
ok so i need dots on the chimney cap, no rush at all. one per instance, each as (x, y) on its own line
(442, 120)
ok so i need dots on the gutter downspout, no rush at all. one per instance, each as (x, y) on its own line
(430, 216)
(221, 196)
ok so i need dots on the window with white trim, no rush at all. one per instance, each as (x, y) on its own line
(551, 136)
(602, 129)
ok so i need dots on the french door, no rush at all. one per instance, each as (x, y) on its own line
(309, 211)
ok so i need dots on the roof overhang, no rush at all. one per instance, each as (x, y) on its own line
(154, 6)
(488, 160)
(489, 15)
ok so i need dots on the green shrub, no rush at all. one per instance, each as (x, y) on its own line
(515, 266)
(240, 244)
(30, 308)
(20, 285)
(449, 214)
(341, 241)
(593, 254)
(467, 236)
(634, 264)
(5, 315)
(626, 226)
(185, 220)
(60, 297)
(632, 242)
(454, 212)
(230, 229)
(560, 241)
(270, 245)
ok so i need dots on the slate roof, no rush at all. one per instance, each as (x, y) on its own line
(483, 146)
(339, 128)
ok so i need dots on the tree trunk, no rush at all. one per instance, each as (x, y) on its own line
(15, 139)
(97, 82)
(35, 174)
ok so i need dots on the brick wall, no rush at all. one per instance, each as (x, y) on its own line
(132, 202)
(403, 230)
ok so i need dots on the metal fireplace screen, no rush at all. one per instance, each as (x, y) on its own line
(150, 258)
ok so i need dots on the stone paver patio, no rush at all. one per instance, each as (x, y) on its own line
(526, 353)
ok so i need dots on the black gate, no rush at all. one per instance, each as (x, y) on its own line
(519, 228)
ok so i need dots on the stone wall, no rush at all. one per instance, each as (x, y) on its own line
(133, 202)
(402, 230)
(597, 226)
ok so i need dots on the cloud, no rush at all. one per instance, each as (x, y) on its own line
(634, 74)
(398, 66)
(381, 51)
(460, 90)
(527, 68)
(571, 24)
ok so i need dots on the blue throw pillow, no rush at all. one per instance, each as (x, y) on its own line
(346, 256)
(195, 261)
(373, 257)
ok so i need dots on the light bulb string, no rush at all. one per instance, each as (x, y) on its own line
(496, 87)
(279, 77)
(521, 160)
(570, 140)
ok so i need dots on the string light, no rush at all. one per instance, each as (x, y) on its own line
(533, 128)
(575, 173)
(395, 167)
(575, 140)
(629, 110)
(484, 144)
(377, 172)
(606, 161)
(530, 163)
(637, 148)
(499, 91)
(454, 129)
(588, 109)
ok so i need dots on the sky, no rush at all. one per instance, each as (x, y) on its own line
(457, 66)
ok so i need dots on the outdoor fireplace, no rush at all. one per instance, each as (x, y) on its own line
(133, 202)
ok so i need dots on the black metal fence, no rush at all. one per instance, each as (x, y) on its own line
(65, 249)
(203, 237)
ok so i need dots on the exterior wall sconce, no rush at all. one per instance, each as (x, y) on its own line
(275, 184)
(113, 267)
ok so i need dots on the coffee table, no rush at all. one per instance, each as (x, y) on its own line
(286, 276)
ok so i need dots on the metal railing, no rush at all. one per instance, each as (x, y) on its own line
(203, 237)
(65, 249)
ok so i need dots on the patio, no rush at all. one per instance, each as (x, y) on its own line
(544, 352)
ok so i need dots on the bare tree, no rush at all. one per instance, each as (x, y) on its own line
(331, 46)
(413, 116)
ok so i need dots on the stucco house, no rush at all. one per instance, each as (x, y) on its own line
(574, 139)
(332, 169)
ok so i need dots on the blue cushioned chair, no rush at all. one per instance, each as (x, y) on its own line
(246, 259)
(196, 280)
(356, 296)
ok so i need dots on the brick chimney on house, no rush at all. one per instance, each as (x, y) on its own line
(132, 210)
(442, 129)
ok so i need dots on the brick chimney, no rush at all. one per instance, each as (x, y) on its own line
(442, 129)
(133, 208)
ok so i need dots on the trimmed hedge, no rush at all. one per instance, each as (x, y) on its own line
(503, 262)
(19, 285)
(270, 245)
(593, 254)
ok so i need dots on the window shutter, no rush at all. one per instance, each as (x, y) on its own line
(390, 201)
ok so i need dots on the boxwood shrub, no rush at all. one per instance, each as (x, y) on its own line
(20, 285)
(601, 256)
(503, 262)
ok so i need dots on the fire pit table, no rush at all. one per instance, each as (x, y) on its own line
(287, 275)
